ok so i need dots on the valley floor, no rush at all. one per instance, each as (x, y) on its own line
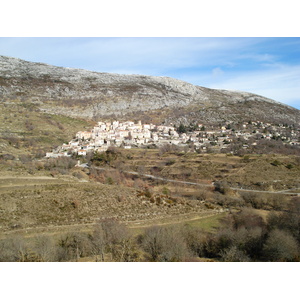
(140, 189)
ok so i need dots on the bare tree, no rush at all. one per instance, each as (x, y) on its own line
(233, 254)
(11, 249)
(44, 248)
(164, 244)
(281, 246)
(16, 249)
(195, 239)
(74, 245)
(114, 238)
(288, 220)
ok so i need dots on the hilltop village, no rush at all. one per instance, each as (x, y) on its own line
(129, 135)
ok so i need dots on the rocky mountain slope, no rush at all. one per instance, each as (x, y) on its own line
(93, 95)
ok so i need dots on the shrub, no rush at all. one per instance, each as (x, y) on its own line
(169, 148)
(147, 193)
(223, 188)
(72, 246)
(79, 174)
(75, 203)
(280, 246)
(114, 238)
(164, 244)
(170, 162)
(24, 158)
(275, 163)
(61, 163)
(107, 157)
(181, 128)
(165, 191)
(7, 157)
(109, 180)
(246, 218)
(195, 240)
(233, 254)
(289, 220)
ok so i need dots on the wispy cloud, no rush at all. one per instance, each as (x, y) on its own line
(217, 72)
(137, 53)
(281, 83)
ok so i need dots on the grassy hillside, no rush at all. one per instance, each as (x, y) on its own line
(40, 201)
(26, 130)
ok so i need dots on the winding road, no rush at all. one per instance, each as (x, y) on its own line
(283, 192)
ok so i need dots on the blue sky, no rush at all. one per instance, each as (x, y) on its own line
(266, 66)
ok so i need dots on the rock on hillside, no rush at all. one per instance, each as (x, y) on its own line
(87, 94)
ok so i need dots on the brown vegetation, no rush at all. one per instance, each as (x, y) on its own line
(82, 197)
(243, 236)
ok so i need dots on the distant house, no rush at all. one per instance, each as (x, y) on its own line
(81, 152)
(84, 135)
(54, 155)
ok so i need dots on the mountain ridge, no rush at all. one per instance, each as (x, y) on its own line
(95, 95)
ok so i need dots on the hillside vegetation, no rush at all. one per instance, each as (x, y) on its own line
(24, 129)
(42, 193)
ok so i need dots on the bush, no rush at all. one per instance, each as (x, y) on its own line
(276, 163)
(109, 180)
(246, 218)
(181, 128)
(164, 244)
(147, 193)
(289, 220)
(195, 240)
(61, 163)
(107, 157)
(25, 158)
(165, 191)
(280, 246)
(72, 246)
(233, 254)
(170, 162)
(169, 148)
(114, 238)
(12, 249)
(79, 174)
(7, 157)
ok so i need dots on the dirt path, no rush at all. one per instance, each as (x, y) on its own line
(284, 192)
(169, 180)
(28, 177)
(26, 181)
(173, 222)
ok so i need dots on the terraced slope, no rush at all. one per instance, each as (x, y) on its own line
(30, 203)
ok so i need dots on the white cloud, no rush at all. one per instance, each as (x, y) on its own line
(217, 72)
(281, 83)
(148, 55)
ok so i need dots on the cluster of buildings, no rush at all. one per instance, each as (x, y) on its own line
(129, 134)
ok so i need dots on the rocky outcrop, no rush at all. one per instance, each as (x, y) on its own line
(82, 93)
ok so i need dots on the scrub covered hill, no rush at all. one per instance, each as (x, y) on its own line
(93, 95)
